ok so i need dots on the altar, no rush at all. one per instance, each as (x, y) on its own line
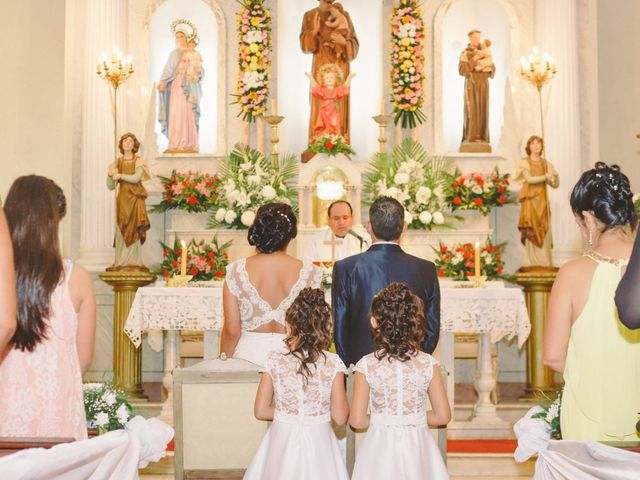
(495, 312)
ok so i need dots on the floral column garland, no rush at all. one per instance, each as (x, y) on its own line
(407, 63)
(254, 49)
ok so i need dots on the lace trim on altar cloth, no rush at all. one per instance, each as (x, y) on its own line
(254, 310)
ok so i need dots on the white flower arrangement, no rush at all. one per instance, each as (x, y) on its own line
(250, 180)
(106, 407)
(413, 178)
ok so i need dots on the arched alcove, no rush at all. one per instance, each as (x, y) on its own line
(209, 21)
(499, 22)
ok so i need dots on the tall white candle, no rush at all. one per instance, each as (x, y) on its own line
(183, 259)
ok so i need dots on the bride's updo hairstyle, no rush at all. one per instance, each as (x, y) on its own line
(274, 227)
(605, 191)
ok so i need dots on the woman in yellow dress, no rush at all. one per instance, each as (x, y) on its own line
(584, 339)
(128, 173)
(535, 173)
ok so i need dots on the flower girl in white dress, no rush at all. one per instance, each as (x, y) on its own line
(393, 383)
(301, 389)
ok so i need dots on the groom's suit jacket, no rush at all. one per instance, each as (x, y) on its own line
(358, 278)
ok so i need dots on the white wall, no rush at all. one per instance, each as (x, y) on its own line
(32, 93)
(619, 85)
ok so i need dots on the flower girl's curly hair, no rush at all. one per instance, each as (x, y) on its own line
(309, 321)
(400, 319)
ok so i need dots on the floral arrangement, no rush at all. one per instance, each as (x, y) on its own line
(205, 260)
(327, 273)
(249, 180)
(458, 261)
(636, 203)
(254, 48)
(193, 192)
(551, 414)
(413, 178)
(330, 144)
(478, 191)
(106, 407)
(407, 63)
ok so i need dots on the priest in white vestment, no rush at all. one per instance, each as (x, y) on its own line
(337, 240)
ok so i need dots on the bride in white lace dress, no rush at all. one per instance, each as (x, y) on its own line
(259, 289)
(393, 383)
(301, 389)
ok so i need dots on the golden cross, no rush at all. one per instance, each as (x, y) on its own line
(335, 241)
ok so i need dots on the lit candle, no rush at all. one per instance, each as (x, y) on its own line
(274, 110)
(183, 259)
(476, 256)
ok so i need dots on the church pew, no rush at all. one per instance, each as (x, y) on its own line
(9, 445)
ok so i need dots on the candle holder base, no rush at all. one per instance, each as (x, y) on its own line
(179, 281)
(477, 282)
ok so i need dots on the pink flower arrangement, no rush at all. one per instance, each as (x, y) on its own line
(407, 63)
(254, 49)
(191, 191)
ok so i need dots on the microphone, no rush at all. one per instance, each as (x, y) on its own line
(358, 236)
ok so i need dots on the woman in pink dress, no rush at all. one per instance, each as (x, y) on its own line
(328, 119)
(41, 368)
(179, 106)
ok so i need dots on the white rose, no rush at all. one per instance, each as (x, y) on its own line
(423, 194)
(401, 179)
(438, 218)
(392, 192)
(457, 258)
(247, 218)
(109, 398)
(488, 259)
(230, 216)
(220, 215)
(243, 199)
(246, 166)
(102, 419)
(402, 196)
(268, 192)
(408, 218)
(425, 217)
(476, 189)
(232, 196)
(122, 414)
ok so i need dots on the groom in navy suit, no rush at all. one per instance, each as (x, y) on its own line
(358, 278)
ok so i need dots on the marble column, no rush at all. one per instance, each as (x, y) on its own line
(556, 34)
(106, 26)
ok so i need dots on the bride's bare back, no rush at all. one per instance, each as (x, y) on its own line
(273, 275)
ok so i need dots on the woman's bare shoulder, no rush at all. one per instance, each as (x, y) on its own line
(576, 270)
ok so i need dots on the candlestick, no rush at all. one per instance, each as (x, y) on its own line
(274, 121)
(538, 71)
(115, 72)
(476, 255)
(382, 121)
(183, 259)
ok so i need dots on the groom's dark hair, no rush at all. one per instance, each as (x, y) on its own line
(386, 216)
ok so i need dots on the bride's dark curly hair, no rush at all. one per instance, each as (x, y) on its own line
(309, 320)
(274, 227)
(400, 319)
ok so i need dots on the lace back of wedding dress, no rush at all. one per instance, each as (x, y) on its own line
(254, 310)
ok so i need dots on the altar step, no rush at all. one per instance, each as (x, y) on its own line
(485, 466)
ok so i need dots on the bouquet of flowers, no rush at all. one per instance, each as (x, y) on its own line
(551, 414)
(331, 145)
(191, 191)
(249, 180)
(106, 407)
(478, 191)
(407, 63)
(327, 272)
(413, 178)
(254, 49)
(458, 261)
(205, 260)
